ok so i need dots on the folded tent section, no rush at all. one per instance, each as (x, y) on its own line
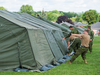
(28, 42)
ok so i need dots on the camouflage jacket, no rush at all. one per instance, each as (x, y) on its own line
(91, 33)
(74, 31)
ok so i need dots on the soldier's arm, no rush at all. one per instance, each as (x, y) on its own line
(91, 36)
(77, 35)
(68, 43)
(72, 32)
(67, 36)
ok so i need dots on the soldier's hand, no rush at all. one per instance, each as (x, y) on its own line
(90, 39)
(63, 39)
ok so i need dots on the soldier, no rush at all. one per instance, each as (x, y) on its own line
(91, 33)
(84, 47)
(76, 42)
(73, 30)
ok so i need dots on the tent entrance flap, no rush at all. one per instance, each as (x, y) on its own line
(62, 44)
(40, 47)
(53, 45)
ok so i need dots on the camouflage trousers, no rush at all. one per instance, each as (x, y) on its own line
(75, 45)
(90, 46)
(81, 51)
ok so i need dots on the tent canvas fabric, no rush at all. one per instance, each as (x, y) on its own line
(29, 42)
(33, 21)
(13, 46)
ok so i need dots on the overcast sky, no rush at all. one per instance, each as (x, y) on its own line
(49, 5)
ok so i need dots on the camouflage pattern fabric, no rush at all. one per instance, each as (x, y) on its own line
(82, 51)
(90, 46)
(75, 45)
(91, 33)
(74, 31)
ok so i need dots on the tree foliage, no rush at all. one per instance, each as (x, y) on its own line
(64, 19)
(73, 19)
(28, 9)
(78, 19)
(42, 14)
(90, 16)
(2, 8)
(99, 17)
(53, 15)
(72, 14)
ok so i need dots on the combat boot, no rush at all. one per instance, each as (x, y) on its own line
(69, 62)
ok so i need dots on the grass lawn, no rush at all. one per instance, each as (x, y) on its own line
(76, 68)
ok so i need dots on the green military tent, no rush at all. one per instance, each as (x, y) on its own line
(29, 42)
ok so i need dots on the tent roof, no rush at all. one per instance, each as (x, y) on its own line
(20, 23)
(26, 20)
(55, 24)
(68, 24)
(79, 23)
(96, 25)
(30, 22)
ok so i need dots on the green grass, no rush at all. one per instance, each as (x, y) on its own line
(76, 68)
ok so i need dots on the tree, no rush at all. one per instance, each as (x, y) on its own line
(43, 14)
(37, 13)
(53, 15)
(72, 14)
(2, 8)
(28, 9)
(78, 19)
(64, 19)
(90, 16)
(99, 17)
(73, 19)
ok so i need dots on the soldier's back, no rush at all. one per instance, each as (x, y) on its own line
(74, 31)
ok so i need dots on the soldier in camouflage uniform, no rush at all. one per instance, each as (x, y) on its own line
(76, 42)
(91, 33)
(73, 30)
(84, 47)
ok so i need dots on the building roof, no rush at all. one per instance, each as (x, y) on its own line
(66, 24)
(79, 23)
(96, 25)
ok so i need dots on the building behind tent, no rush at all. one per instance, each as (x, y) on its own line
(96, 28)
